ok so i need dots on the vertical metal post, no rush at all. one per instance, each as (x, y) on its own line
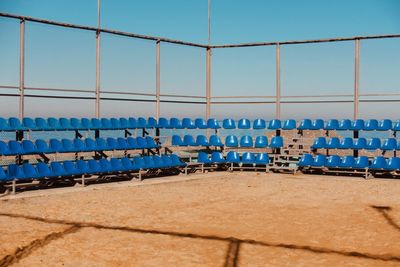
(158, 79)
(278, 82)
(356, 77)
(209, 22)
(98, 62)
(21, 110)
(208, 83)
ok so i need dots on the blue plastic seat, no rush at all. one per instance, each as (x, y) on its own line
(244, 124)
(213, 124)
(357, 125)
(373, 144)
(203, 158)
(371, 125)
(157, 162)
(333, 161)
(361, 162)
(82, 166)
(116, 165)
(67, 145)
(43, 170)
(246, 141)
(30, 171)
(79, 145)
(90, 145)
(124, 123)
(176, 161)
(360, 143)
(15, 172)
(217, 157)
(141, 142)
(139, 162)
(28, 147)
(233, 157)
(201, 140)
(101, 144)
(332, 124)
(106, 166)
(305, 124)
(4, 125)
(41, 146)
(248, 158)
(317, 124)
(41, 124)
(149, 163)
(163, 123)
(112, 143)
(347, 162)
(319, 143)
(289, 125)
(75, 124)
(200, 123)
(345, 125)
(151, 143)
(262, 159)
(379, 163)
(29, 124)
(346, 143)
(4, 149)
(106, 124)
(393, 164)
(127, 164)
(231, 141)
(261, 142)
(116, 124)
(64, 124)
(132, 123)
(333, 143)
(175, 123)
(86, 124)
(122, 144)
(385, 125)
(396, 126)
(276, 142)
(215, 141)
(275, 124)
(141, 123)
(15, 124)
(95, 124)
(319, 161)
(167, 161)
(188, 140)
(389, 144)
(151, 123)
(3, 175)
(177, 140)
(94, 166)
(69, 168)
(259, 124)
(188, 123)
(53, 124)
(15, 148)
(228, 124)
(306, 160)
(57, 169)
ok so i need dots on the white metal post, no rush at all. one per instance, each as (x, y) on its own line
(21, 69)
(278, 82)
(158, 79)
(208, 83)
(356, 78)
(98, 62)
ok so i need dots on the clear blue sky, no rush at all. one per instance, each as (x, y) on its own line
(65, 58)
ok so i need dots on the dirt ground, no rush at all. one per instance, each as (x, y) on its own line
(216, 219)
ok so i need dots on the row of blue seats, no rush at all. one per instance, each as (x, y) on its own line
(27, 147)
(346, 162)
(359, 143)
(230, 141)
(345, 125)
(233, 157)
(42, 170)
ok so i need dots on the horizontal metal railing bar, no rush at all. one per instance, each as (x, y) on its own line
(8, 87)
(238, 96)
(184, 96)
(309, 102)
(127, 93)
(58, 90)
(95, 29)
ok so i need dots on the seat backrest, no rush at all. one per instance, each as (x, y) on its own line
(53, 124)
(65, 124)
(276, 142)
(112, 143)
(318, 124)
(248, 157)
(345, 125)
(28, 147)
(96, 123)
(246, 141)
(360, 143)
(259, 124)
(228, 124)
(306, 160)
(116, 124)
(4, 125)
(141, 122)
(217, 157)
(70, 168)
(262, 158)
(332, 124)
(116, 164)
(29, 171)
(124, 123)
(231, 141)
(82, 166)
(385, 125)
(176, 140)
(86, 124)
(29, 123)
(215, 141)
(261, 141)
(122, 144)
(41, 124)
(79, 145)
(75, 123)
(333, 143)
(43, 170)
(67, 145)
(127, 163)
(346, 143)
(333, 161)
(347, 161)
(90, 144)
(41, 146)
(200, 123)
(141, 142)
(371, 125)
(289, 125)
(275, 124)
(151, 143)
(101, 144)
(374, 143)
(163, 123)
(106, 124)
(305, 124)
(15, 124)
(357, 125)
(233, 157)
(151, 123)
(94, 166)
(132, 123)
(213, 124)
(244, 124)
(389, 144)
(189, 140)
(4, 148)
(201, 140)
(57, 169)
(187, 123)
(202, 157)
(15, 148)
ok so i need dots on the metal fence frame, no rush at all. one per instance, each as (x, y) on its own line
(206, 100)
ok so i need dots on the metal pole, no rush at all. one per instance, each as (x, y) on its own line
(21, 69)
(98, 62)
(356, 78)
(278, 82)
(158, 79)
(208, 83)
(209, 22)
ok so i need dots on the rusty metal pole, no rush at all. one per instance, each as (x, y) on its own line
(97, 113)
(21, 110)
(278, 82)
(356, 78)
(208, 83)
(158, 79)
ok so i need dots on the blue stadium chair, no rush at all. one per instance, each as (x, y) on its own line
(149, 163)
(139, 162)
(244, 124)
(86, 124)
(261, 142)
(275, 124)
(151, 143)
(396, 126)
(90, 145)
(29, 124)
(67, 145)
(379, 163)
(217, 157)
(333, 143)
(176, 161)
(43, 170)
(317, 124)
(319, 161)
(41, 146)
(132, 144)
(142, 143)
(112, 143)
(106, 124)
(262, 159)
(124, 123)
(203, 158)
(361, 162)
(28, 147)
(393, 164)
(389, 144)
(53, 124)
(141, 123)
(333, 161)
(127, 164)
(385, 125)
(15, 124)
(158, 162)
(167, 161)
(116, 165)
(246, 141)
(82, 166)
(41, 124)
(259, 124)
(306, 160)
(15, 172)
(289, 125)
(344, 125)
(101, 144)
(276, 142)
(94, 166)
(163, 123)
(3, 175)
(347, 162)
(122, 144)
(233, 157)
(200, 123)
(346, 143)
(201, 140)
(228, 124)
(360, 143)
(132, 123)
(4, 125)
(64, 124)
(371, 125)
(177, 140)
(175, 123)
(332, 124)
(213, 124)
(75, 124)
(319, 143)
(4, 151)
(79, 145)
(357, 125)
(215, 141)
(248, 158)
(68, 168)
(95, 124)
(188, 140)
(15, 148)
(151, 123)
(57, 169)
(373, 144)
(188, 123)
(30, 171)
(116, 124)
(305, 124)
(105, 166)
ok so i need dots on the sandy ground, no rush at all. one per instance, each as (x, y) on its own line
(216, 219)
